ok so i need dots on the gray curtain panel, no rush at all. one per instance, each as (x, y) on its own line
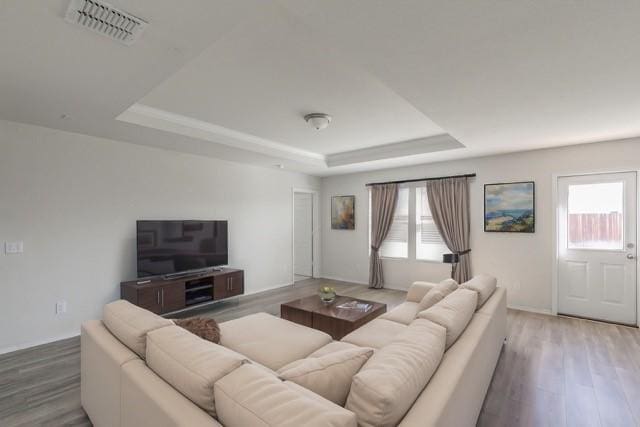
(383, 205)
(449, 204)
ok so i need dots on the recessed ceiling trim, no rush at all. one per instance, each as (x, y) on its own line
(144, 115)
(430, 144)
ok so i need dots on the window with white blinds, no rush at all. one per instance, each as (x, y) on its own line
(396, 245)
(429, 243)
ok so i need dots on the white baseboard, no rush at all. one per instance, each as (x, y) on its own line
(530, 309)
(13, 348)
(340, 279)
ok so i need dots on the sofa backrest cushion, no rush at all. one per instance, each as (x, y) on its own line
(250, 396)
(130, 324)
(453, 313)
(392, 379)
(190, 364)
(437, 293)
(330, 375)
(418, 290)
(484, 285)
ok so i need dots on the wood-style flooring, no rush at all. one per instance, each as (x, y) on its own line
(553, 371)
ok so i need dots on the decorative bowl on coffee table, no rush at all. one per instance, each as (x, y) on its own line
(327, 294)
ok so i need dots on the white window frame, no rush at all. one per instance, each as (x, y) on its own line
(411, 241)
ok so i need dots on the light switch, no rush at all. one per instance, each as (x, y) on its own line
(13, 247)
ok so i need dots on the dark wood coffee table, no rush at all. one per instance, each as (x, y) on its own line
(337, 322)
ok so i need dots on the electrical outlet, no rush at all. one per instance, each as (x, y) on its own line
(61, 307)
(13, 247)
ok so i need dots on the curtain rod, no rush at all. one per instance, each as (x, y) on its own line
(402, 181)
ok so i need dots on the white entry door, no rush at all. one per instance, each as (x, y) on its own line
(597, 246)
(303, 234)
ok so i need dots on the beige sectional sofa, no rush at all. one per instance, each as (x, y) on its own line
(428, 362)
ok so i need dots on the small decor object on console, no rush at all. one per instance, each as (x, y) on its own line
(327, 294)
(205, 328)
(510, 207)
(343, 213)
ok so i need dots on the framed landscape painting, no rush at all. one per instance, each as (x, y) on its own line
(510, 207)
(343, 213)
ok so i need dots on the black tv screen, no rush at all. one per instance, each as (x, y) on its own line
(166, 247)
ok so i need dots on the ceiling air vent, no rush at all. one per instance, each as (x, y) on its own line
(105, 19)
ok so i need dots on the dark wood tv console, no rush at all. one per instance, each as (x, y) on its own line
(163, 296)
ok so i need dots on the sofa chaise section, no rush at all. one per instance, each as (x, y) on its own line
(271, 341)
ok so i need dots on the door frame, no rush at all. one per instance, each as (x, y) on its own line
(556, 242)
(315, 232)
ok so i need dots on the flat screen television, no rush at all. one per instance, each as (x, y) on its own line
(166, 247)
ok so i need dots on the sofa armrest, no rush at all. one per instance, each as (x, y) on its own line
(418, 290)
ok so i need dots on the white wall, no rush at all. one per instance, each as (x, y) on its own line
(74, 200)
(522, 262)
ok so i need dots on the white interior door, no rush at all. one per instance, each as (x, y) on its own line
(303, 234)
(597, 246)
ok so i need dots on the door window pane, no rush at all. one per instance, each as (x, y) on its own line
(596, 219)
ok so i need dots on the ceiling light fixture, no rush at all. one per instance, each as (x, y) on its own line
(318, 120)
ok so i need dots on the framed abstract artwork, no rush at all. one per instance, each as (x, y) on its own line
(510, 207)
(343, 212)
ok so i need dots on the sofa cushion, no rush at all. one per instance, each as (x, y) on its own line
(189, 363)
(453, 313)
(418, 290)
(403, 313)
(130, 324)
(269, 340)
(483, 284)
(437, 293)
(375, 334)
(432, 297)
(330, 375)
(392, 379)
(249, 396)
(332, 347)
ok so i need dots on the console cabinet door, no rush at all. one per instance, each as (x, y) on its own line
(236, 284)
(172, 297)
(149, 299)
(220, 286)
(228, 285)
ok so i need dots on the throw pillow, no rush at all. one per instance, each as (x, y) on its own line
(204, 327)
(437, 293)
(484, 285)
(329, 376)
(453, 313)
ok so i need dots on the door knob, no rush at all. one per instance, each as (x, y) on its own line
(630, 256)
